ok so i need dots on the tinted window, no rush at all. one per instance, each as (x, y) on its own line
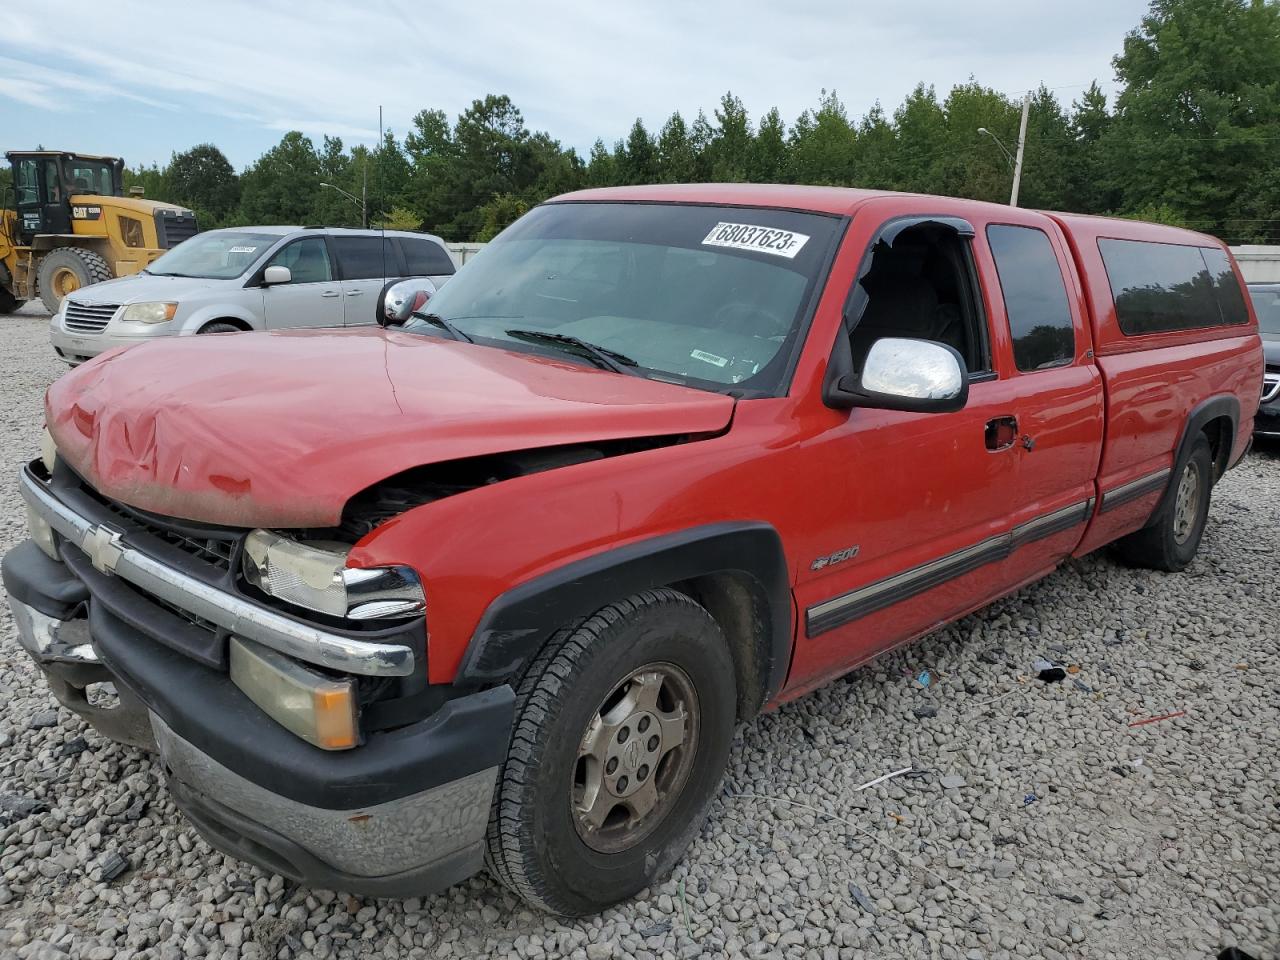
(1266, 304)
(1165, 286)
(425, 258)
(1035, 297)
(366, 258)
(1226, 288)
(307, 260)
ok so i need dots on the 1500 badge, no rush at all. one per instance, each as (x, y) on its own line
(831, 559)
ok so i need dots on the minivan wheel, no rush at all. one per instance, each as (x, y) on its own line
(220, 326)
(1171, 542)
(623, 728)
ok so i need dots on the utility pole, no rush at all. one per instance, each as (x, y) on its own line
(364, 191)
(1022, 145)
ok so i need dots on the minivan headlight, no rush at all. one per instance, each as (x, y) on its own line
(149, 312)
(320, 580)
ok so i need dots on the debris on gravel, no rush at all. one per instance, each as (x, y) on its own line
(1019, 819)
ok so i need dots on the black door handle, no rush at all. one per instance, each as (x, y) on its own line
(1001, 433)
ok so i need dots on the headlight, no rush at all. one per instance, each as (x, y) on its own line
(41, 533)
(320, 580)
(317, 708)
(48, 450)
(149, 312)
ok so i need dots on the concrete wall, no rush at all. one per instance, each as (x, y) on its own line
(1259, 264)
(462, 252)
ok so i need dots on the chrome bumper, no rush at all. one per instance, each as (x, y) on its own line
(63, 652)
(377, 849)
(110, 554)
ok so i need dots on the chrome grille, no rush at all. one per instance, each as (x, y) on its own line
(88, 317)
(1270, 385)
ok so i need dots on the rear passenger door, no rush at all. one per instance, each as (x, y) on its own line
(313, 295)
(365, 263)
(1057, 401)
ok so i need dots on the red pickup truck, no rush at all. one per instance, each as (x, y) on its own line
(492, 585)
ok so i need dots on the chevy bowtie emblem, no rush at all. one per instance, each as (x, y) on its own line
(102, 545)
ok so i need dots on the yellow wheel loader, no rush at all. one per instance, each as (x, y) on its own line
(67, 224)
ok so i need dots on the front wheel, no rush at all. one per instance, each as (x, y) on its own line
(622, 732)
(1171, 542)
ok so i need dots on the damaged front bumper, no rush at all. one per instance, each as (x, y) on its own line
(403, 814)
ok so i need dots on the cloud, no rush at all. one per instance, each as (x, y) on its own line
(576, 70)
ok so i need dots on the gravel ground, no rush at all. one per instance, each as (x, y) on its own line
(1037, 820)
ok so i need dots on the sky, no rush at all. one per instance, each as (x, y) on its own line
(143, 79)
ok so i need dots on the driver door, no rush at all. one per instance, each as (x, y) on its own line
(313, 296)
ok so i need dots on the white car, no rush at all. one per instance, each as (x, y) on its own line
(247, 278)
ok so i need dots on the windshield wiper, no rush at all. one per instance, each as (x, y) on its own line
(436, 320)
(608, 359)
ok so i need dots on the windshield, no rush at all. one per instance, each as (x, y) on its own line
(705, 296)
(217, 255)
(1266, 304)
(89, 176)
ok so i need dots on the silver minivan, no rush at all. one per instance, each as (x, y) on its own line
(247, 278)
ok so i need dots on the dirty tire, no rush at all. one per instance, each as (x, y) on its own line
(84, 265)
(1171, 542)
(534, 845)
(220, 326)
(8, 302)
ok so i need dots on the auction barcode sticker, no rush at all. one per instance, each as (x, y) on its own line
(745, 236)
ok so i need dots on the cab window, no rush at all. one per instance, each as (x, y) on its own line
(919, 284)
(1035, 297)
(307, 260)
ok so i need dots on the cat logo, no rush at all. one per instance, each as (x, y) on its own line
(80, 212)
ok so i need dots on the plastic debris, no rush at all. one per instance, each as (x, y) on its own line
(656, 930)
(862, 900)
(925, 713)
(1029, 799)
(1073, 668)
(1163, 716)
(887, 776)
(113, 865)
(1081, 685)
(1047, 670)
(924, 679)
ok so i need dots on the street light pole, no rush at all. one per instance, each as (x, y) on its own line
(358, 201)
(1015, 162)
(1022, 146)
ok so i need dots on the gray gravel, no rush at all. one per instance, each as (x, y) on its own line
(1036, 820)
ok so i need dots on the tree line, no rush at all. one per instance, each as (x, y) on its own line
(1192, 138)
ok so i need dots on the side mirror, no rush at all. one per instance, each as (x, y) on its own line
(274, 275)
(401, 299)
(920, 376)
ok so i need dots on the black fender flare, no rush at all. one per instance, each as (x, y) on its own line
(520, 621)
(1224, 405)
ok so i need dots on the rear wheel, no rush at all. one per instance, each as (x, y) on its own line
(1171, 542)
(622, 732)
(65, 271)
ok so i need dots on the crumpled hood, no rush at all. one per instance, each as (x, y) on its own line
(144, 288)
(281, 429)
